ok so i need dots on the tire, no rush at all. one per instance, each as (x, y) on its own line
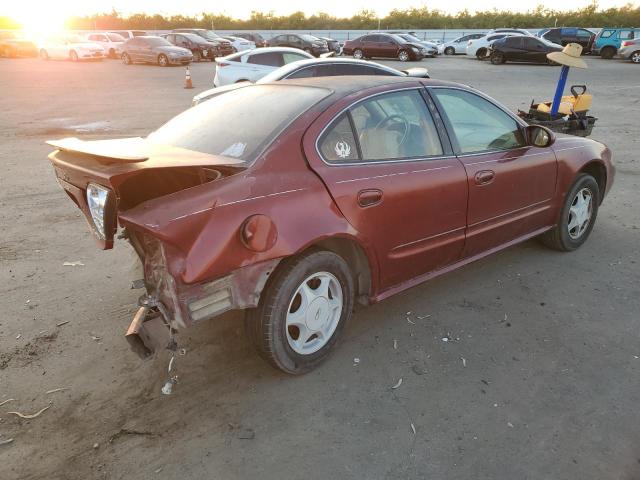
(163, 61)
(270, 328)
(561, 237)
(635, 57)
(608, 53)
(112, 53)
(449, 51)
(403, 55)
(73, 56)
(43, 54)
(497, 58)
(126, 59)
(308, 50)
(551, 63)
(480, 54)
(358, 54)
(196, 56)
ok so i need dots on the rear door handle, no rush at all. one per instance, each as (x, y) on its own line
(369, 198)
(485, 176)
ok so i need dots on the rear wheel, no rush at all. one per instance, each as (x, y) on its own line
(449, 51)
(196, 56)
(635, 57)
(481, 53)
(126, 59)
(608, 52)
(358, 54)
(163, 61)
(73, 56)
(497, 58)
(577, 217)
(403, 55)
(302, 311)
(43, 54)
(112, 53)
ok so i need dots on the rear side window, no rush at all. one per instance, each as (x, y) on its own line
(240, 123)
(292, 57)
(626, 35)
(530, 42)
(393, 126)
(271, 59)
(314, 71)
(478, 124)
(339, 145)
(582, 33)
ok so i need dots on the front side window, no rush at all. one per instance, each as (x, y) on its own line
(393, 126)
(606, 33)
(478, 125)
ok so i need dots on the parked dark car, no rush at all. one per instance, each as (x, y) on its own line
(13, 45)
(224, 46)
(384, 45)
(200, 48)
(407, 179)
(308, 43)
(332, 44)
(565, 35)
(150, 49)
(253, 37)
(522, 49)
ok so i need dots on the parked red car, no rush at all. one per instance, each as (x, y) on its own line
(352, 189)
(384, 45)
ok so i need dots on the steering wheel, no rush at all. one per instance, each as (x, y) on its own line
(385, 121)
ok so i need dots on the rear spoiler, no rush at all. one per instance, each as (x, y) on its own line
(125, 149)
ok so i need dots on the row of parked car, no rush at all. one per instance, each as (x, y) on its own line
(608, 43)
(205, 44)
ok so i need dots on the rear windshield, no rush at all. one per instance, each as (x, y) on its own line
(238, 124)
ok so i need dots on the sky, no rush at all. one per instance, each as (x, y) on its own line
(55, 9)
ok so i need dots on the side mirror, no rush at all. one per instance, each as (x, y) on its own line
(539, 136)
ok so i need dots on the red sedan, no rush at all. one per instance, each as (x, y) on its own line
(294, 200)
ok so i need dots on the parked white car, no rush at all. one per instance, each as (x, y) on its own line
(240, 44)
(458, 45)
(70, 47)
(480, 47)
(252, 65)
(318, 67)
(111, 42)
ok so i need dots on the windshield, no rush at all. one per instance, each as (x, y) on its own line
(309, 38)
(549, 43)
(158, 42)
(240, 123)
(211, 35)
(399, 38)
(114, 37)
(194, 38)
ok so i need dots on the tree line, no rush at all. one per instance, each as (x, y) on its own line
(412, 18)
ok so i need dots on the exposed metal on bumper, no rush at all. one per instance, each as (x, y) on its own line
(147, 334)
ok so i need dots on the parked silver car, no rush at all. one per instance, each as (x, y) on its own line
(149, 49)
(630, 50)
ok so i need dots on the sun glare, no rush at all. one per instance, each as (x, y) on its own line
(40, 22)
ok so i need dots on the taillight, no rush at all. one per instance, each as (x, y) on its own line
(626, 43)
(222, 64)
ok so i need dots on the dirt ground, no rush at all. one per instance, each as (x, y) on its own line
(538, 378)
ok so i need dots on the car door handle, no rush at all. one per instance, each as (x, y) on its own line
(485, 176)
(369, 198)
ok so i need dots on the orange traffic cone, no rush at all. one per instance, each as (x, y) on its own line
(187, 81)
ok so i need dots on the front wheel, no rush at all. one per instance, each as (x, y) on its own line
(43, 54)
(403, 56)
(480, 54)
(635, 57)
(358, 54)
(163, 61)
(126, 59)
(577, 217)
(449, 51)
(302, 311)
(73, 56)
